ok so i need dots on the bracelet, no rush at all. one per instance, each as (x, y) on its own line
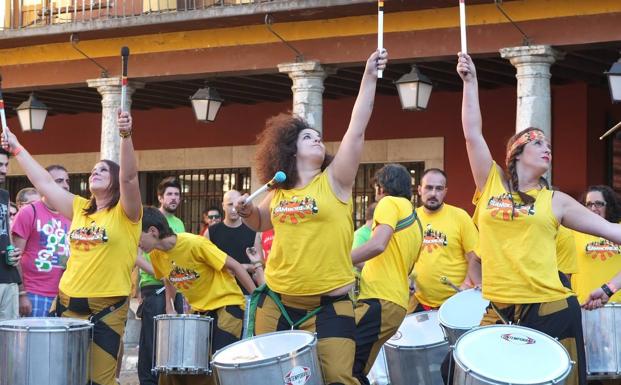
(606, 289)
(23, 292)
(257, 264)
(125, 134)
(15, 151)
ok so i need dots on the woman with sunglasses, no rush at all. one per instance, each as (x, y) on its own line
(598, 258)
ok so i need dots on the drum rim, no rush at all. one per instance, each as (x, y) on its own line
(418, 347)
(477, 375)
(80, 324)
(182, 316)
(265, 361)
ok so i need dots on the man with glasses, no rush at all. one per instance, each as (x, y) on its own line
(211, 216)
(42, 232)
(449, 240)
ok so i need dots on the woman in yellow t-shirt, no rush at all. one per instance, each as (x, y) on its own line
(309, 269)
(598, 258)
(104, 236)
(518, 220)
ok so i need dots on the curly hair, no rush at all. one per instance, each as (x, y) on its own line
(277, 148)
(511, 173)
(613, 203)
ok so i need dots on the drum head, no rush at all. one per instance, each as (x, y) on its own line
(418, 329)
(512, 354)
(264, 347)
(464, 310)
(44, 323)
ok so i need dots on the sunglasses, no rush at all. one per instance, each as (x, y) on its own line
(217, 216)
(598, 204)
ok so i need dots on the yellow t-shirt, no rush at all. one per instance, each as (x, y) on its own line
(195, 266)
(311, 251)
(447, 236)
(518, 251)
(566, 251)
(598, 261)
(103, 249)
(386, 275)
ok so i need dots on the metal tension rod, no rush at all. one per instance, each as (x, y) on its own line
(74, 39)
(269, 19)
(526, 40)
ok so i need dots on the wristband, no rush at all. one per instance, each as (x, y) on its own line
(606, 289)
(125, 134)
(15, 151)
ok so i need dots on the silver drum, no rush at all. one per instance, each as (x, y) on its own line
(45, 351)
(287, 358)
(182, 344)
(602, 341)
(416, 351)
(462, 312)
(509, 354)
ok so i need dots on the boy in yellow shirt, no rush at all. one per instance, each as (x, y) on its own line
(194, 266)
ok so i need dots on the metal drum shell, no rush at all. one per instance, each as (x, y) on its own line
(50, 351)
(602, 341)
(182, 344)
(269, 370)
(470, 300)
(464, 375)
(417, 364)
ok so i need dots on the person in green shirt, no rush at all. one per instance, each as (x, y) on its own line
(152, 289)
(363, 233)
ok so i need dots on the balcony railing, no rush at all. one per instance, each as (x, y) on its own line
(25, 14)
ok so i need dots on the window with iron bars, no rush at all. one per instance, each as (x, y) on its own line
(78, 184)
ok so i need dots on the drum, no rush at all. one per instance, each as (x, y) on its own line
(602, 341)
(182, 344)
(378, 375)
(281, 358)
(416, 351)
(45, 351)
(461, 312)
(508, 354)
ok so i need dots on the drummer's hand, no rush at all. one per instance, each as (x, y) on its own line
(377, 61)
(243, 209)
(25, 306)
(465, 68)
(9, 140)
(596, 299)
(124, 121)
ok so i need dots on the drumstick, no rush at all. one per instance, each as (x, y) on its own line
(462, 26)
(279, 177)
(124, 60)
(444, 279)
(600, 138)
(380, 32)
(2, 114)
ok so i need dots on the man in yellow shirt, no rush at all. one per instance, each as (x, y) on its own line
(388, 258)
(449, 240)
(194, 266)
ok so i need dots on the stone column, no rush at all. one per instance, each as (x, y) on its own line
(110, 90)
(307, 90)
(533, 86)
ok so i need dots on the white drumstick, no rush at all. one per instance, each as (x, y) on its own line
(380, 32)
(279, 177)
(462, 26)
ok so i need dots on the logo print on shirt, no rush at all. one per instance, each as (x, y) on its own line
(433, 239)
(54, 250)
(500, 206)
(294, 209)
(602, 249)
(182, 278)
(85, 238)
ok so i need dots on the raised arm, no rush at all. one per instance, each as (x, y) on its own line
(128, 174)
(59, 198)
(478, 153)
(575, 216)
(255, 217)
(342, 171)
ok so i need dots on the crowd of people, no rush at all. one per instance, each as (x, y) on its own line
(536, 253)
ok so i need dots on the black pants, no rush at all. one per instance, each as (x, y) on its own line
(152, 305)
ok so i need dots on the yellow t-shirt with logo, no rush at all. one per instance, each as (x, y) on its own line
(566, 251)
(517, 245)
(195, 266)
(448, 235)
(386, 275)
(598, 261)
(311, 251)
(103, 249)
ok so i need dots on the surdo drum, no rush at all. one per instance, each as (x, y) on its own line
(45, 351)
(280, 358)
(509, 354)
(182, 344)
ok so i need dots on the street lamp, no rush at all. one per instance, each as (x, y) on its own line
(206, 102)
(414, 90)
(32, 114)
(614, 81)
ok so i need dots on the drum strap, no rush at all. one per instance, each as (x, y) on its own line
(97, 317)
(254, 300)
